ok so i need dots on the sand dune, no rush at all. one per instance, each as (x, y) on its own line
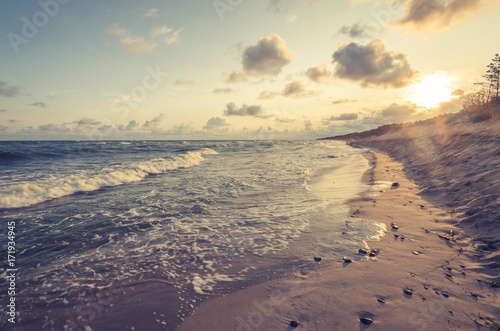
(457, 166)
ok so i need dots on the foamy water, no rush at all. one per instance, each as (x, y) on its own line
(198, 215)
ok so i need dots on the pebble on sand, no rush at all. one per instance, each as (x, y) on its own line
(294, 324)
(366, 320)
(408, 291)
(347, 260)
(317, 259)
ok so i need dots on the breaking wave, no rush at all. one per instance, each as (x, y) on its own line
(30, 193)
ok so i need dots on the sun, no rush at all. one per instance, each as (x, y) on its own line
(432, 90)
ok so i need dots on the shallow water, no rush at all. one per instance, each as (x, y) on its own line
(96, 218)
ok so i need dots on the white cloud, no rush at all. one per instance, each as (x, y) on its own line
(134, 44)
(152, 12)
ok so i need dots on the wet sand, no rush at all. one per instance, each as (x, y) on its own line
(426, 257)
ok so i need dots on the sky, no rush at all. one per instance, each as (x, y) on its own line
(235, 69)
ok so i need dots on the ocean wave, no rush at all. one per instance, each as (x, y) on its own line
(27, 194)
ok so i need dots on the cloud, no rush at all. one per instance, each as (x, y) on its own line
(168, 34)
(319, 74)
(285, 120)
(268, 95)
(341, 101)
(267, 57)
(438, 13)
(152, 12)
(39, 105)
(134, 44)
(154, 124)
(458, 92)
(7, 90)
(355, 31)
(236, 77)
(158, 31)
(215, 123)
(222, 90)
(245, 110)
(345, 117)
(87, 121)
(173, 38)
(185, 82)
(132, 125)
(297, 90)
(60, 128)
(3, 110)
(372, 66)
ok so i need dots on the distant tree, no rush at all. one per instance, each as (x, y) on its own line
(485, 104)
(478, 105)
(493, 78)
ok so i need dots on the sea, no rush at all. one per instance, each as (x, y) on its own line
(135, 235)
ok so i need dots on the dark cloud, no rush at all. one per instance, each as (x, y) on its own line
(372, 66)
(297, 90)
(222, 90)
(132, 125)
(319, 74)
(215, 123)
(355, 31)
(245, 110)
(285, 120)
(39, 105)
(341, 101)
(267, 58)
(438, 12)
(7, 90)
(345, 117)
(3, 110)
(87, 121)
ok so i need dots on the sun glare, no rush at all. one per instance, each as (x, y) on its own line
(432, 90)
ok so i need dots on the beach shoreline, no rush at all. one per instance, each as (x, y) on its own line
(419, 280)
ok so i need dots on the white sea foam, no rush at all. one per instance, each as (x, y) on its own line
(30, 193)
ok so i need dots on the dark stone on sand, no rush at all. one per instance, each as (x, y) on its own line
(381, 300)
(347, 260)
(408, 291)
(395, 184)
(294, 324)
(394, 226)
(446, 295)
(374, 252)
(403, 237)
(396, 235)
(366, 320)
(317, 259)
(362, 251)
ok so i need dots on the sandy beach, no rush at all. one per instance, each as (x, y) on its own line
(427, 273)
